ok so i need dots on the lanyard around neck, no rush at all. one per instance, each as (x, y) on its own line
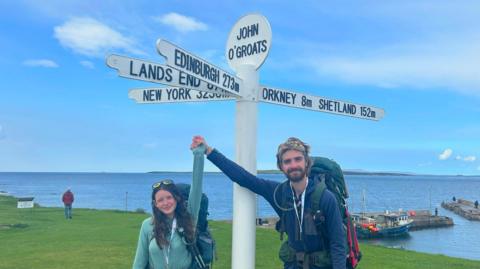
(302, 197)
(166, 255)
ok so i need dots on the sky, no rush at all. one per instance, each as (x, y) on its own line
(63, 110)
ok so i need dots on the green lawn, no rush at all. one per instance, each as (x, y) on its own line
(43, 238)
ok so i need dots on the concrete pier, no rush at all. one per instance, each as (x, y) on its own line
(423, 219)
(463, 208)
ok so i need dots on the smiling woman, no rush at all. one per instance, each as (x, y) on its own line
(160, 245)
(169, 211)
(163, 237)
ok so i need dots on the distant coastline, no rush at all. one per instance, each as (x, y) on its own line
(346, 172)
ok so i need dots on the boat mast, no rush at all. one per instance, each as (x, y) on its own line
(363, 202)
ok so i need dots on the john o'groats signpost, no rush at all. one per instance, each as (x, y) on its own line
(191, 79)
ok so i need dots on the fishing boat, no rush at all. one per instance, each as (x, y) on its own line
(386, 224)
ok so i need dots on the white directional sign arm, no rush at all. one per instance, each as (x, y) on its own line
(198, 67)
(318, 103)
(174, 95)
(158, 73)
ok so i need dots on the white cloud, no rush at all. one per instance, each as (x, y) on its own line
(445, 154)
(458, 157)
(87, 64)
(90, 37)
(415, 68)
(449, 62)
(40, 63)
(181, 23)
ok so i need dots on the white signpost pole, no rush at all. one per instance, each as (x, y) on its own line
(244, 201)
(248, 45)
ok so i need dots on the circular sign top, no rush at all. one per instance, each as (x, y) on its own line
(249, 41)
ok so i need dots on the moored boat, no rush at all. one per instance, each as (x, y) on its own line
(388, 224)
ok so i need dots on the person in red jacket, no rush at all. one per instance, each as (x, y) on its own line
(67, 199)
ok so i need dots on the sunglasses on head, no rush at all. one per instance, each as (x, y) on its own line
(163, 182)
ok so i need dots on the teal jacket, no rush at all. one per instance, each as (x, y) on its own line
(149, 253)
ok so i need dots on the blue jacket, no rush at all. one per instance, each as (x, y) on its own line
(310, 241)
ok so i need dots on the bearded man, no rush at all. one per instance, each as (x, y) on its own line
(306, 248)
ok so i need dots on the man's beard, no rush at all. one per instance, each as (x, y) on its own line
(298, 178)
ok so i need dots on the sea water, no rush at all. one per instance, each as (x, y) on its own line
(131, 191)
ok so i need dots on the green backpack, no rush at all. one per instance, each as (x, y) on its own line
(324, 168)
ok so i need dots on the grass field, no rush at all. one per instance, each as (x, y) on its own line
(42, 238)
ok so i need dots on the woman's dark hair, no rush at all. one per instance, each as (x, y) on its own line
(161, 224)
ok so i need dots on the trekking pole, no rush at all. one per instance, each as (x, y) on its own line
(197, 174)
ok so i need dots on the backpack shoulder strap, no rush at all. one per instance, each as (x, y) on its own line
(318, 215)
(320, 187)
